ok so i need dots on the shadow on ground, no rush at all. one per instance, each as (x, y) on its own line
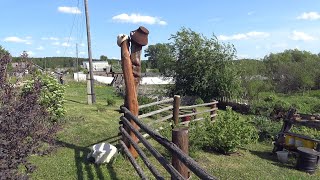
(271, 157)
(86, 169)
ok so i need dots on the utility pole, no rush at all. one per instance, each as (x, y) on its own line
(77, 61)
(90, 80)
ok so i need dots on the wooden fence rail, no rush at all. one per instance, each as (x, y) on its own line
(173, 148)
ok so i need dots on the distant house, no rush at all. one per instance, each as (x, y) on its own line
(97, 66)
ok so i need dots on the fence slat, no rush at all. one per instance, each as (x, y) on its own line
(199, 119)
(156, 103)
(146, 161)
(162, 119)
(155, 112)
(133, 161)
(200, 112)
(198, 105)
(187, 160)
(162, 160)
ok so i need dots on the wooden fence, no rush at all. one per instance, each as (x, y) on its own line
(175, 172)
(181, 162)
(179, 112)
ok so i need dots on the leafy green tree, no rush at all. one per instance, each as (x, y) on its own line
(103, 58)
(3, 51)
(160, 56)
(293, 70)
(203, 66)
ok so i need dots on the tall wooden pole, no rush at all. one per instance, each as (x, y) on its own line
(90, 90)
(176, 107)
(180, 138)
(131, 101)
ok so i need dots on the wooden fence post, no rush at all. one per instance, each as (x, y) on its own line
(214, 111)
(176, 106)
(131, 101)
(181, 139)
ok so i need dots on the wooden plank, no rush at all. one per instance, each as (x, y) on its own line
(198, 105)
(155, 112)
(156, 103)
(199, 119)
(161, 120)
(133, 161)
(200, 112)
(144, 158)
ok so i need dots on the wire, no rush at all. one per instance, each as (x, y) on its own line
(72, 26)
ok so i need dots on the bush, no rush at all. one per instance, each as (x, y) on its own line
(51, 97)
(230, 132)
(267, 128)
(111, 102)
(226, 134)
(199, 101)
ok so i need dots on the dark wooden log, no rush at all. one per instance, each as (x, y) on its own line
(133, 161)
(162, 160)
(131, 101)
(181, 139)
(187, 160)
(176, 107)
(144, 158)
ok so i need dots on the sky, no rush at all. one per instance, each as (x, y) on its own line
(46, 28)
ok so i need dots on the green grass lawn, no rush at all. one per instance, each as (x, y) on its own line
(85, 126)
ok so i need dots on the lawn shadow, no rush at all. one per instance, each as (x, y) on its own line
(269, 156)
(75, 101)
(85, 169)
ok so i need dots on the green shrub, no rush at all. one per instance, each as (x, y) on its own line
(230, 132)
(111, 102)
(226, 134)
(199, 101)
(51, 96)
(267, 128)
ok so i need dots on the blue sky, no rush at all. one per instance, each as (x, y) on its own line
(47, 28)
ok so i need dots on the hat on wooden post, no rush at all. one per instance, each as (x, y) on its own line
(140, 36)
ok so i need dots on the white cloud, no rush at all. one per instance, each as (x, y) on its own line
(137, 18)
(248, 35)
(309, 16)
(242, 56)
(82, 52)
(50, 38)
(15, 39)
(65, 44)
(58, 52)
(56, 43)
(301, 36)
(40, 48)
(69, 10)
(30, 53)
(82, 44)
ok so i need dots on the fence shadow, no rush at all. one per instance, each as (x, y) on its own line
(85, 168)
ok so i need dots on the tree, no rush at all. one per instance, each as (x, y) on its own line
(293, 70)
(160, 56)
(3, 51)
(203, 66)
(103, 58)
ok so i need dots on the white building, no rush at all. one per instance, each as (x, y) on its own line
(97, 66)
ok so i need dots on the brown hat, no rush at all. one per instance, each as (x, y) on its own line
(140, 36)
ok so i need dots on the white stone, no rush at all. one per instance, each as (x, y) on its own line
(102, 152)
